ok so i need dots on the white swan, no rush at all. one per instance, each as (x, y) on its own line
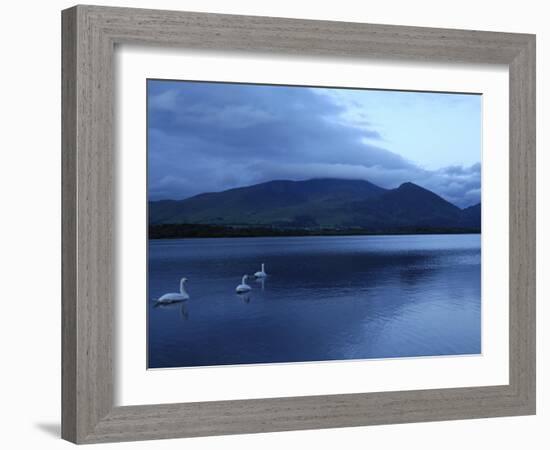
(173, 297)
(243, 287)
(261, 273)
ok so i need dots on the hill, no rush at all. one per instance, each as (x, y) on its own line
(318, 204)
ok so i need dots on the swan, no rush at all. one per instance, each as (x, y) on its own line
(173, 297)
(243, 287)
(261, 273)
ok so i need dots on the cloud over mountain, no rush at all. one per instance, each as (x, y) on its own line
(206, 137)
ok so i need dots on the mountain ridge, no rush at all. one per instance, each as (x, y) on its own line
(319, 203)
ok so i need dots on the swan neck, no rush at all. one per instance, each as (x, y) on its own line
(263, 270)
(182, 287)
(243, 281)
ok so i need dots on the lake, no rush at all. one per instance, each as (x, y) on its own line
(325, 298)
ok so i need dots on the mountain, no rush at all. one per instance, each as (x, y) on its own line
(471, 216)
(409, 205)
(272, 203)
(318, 204)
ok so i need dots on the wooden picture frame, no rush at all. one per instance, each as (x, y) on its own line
(90, 34)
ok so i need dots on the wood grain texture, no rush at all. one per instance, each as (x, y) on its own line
(523, 223)
(68, 225)
(89, 36)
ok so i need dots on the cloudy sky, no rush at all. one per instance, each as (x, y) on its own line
(207, 137)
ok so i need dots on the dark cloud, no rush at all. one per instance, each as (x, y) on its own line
(207, 137)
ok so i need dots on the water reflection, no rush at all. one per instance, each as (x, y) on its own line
(179, 306)
(414, 275)
(261, 282)
(245, 297)
(327, 299)
(184, 313)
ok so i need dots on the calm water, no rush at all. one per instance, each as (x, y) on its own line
(326, 298)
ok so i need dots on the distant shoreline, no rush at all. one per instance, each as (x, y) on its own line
(181, 231)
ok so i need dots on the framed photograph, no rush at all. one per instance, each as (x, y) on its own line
(278, 224)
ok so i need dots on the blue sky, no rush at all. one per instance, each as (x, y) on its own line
(207, 137)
